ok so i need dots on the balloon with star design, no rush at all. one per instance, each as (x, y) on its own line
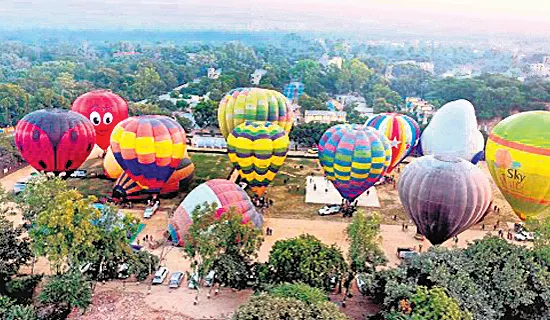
(402, 132)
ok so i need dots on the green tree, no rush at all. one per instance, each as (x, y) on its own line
(21, 312)
(364, 237)
(223, 244)
(38, 195)
(138, 109)
(432, 304)
(185, 123)
(147, 83)
(309, 134)
(14, 103)
(267, 307)
(305, 259)
(67, 291)
(299, 291)
(206, 113)
(64, 231)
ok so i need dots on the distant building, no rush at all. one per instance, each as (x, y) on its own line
(420, 108)
(256, 77)
(214, 73)
(460, 72)
(125, 53)
(541, 69)
(323, 116)
(325, 61)
(358, 101)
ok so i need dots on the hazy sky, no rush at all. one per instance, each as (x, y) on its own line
(506, 16)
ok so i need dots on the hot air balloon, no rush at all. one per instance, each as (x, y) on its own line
(402, 132)
(225, 194)
(149, 149)
(105, 110)
(518, 157)
(354, 158)
(253, 104)
(127, 189)
(444, 195)
(453, 131)
(55, 140)
(257, 150)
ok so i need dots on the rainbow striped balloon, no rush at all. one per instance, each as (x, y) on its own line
(518, 157)
(354, 158)
(149, 149)
(402, 132)
(253, 104)
(258, 150)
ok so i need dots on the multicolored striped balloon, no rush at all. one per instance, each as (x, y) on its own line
(402, 132)
(354, 158)
(225, 194)
(128, 189)
(258, 150)
(149, 149)
(253, 104)
(518, 157)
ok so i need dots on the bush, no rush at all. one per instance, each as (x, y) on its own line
(21, 312)
(67, 290)
(266, 307)
(304, 259)
(492, 279)
(22, 289)
(299, 291)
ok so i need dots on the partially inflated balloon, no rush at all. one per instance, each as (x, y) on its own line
(453, 131)
(354, 158)
(105, 110)
(444, 195)
(128, 189)
(257, 150)
(518, 157)
(149, 149)
(54, 140)
(253, 104)
(225, 194)
(402, 132)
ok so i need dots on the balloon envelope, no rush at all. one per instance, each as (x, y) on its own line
(354, 158)
(402, 131)
(105, 110)
(54, 140)
(110, 166)
(444, 195)
(225, 194)
(128, 189)
(149, 149)
(453, 131)
(518, 157)
(258, 150)
(253, 104)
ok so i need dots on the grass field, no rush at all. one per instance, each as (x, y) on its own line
(287, 190)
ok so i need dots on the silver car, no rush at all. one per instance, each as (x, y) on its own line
(160, 275)
(175, 279)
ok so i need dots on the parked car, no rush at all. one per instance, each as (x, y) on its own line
(209, 279)
(193, 281)
(19, 186)
(175, 279)
(406, 253)
(79, 174)
(524, 236)
(313, 150)
(150, 210)
(328, 210)
(123, 271)
(160, 275)
(362, 283)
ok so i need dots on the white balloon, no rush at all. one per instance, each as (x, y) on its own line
(453, 131)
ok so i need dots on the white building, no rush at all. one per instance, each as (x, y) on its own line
(421, 108)
(459, 72)
(323, 116)
(357, 100)
(214, 73)
(325, 61)
(256, 77)
(541, 69)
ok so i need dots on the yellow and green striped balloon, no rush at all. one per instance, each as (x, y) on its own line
(258, 149)
(253, 104)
